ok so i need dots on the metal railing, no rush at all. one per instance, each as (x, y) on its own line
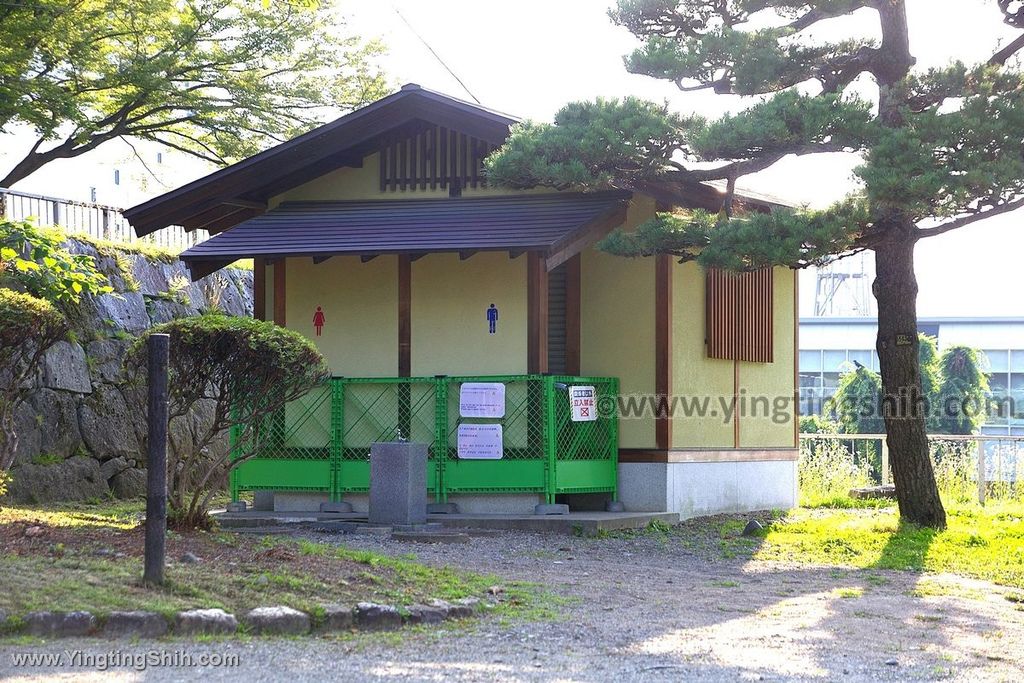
(997, 459)
(322, 441)
(98, 221)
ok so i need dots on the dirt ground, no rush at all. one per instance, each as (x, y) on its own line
(644, 608)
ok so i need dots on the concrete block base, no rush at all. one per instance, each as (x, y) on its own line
(398, 483)
(442, 509)
(336, 506)
(711, 486)
(299, 501)
(263, 501)
(238, 506)
(496, 504)
(551, 509)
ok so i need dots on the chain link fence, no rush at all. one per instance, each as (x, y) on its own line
(322, 441)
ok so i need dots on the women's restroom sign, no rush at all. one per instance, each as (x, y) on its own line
(583, 401)
(318, 320)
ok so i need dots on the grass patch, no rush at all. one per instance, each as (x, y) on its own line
(980, 543)
(90, 558)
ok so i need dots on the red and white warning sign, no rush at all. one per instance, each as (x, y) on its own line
(584, 404)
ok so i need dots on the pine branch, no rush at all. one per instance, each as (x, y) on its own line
(972, 218)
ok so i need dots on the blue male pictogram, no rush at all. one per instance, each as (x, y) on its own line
(492, 319)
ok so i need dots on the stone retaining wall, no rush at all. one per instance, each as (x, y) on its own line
(79, 439)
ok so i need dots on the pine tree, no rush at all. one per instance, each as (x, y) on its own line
(941, 149)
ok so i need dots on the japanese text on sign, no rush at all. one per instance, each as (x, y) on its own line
(584, 403)
(479, 442)
(482, 399)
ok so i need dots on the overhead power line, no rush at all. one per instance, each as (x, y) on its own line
(436, 56)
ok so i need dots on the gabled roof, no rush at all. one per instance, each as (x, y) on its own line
(559, 225)
(240, 191)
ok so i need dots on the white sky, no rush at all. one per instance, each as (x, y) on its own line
(529, 57)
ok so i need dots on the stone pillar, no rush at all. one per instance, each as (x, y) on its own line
(398, 483)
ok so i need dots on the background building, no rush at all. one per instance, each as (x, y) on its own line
(830, 346)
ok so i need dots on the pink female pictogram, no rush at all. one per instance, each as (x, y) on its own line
(318, 320)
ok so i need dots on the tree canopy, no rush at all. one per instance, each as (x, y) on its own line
(218, 79)
(953, 156)
(940, 148)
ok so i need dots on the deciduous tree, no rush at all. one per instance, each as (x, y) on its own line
(218, 79)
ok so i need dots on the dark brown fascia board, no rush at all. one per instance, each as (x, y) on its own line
(586, 235)
(201, 266)
(291, 157)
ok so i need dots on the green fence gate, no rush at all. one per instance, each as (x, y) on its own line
(321, 443)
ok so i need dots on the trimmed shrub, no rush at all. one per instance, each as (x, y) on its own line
(247, 370)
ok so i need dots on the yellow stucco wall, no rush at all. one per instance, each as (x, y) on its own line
(771, 425)
(360, 305)
(364, 183)
(695, 377)
(450, 298)
(449, 328)
(617, 324)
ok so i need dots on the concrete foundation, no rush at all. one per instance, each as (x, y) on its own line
(710, 486)
(263, 501)
(497, 504)
(299, 501)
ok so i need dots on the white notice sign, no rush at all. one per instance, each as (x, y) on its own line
(482, 399)
(584, 404)
(480, 441)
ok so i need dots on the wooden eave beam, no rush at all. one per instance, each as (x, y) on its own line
(586, 235)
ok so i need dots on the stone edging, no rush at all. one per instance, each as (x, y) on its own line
(276, 620)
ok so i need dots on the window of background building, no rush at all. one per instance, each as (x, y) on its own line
(820, 371)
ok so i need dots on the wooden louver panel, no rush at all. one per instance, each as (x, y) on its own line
(739, 315)
(430, 156)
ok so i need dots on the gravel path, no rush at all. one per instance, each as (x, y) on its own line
(640, 609)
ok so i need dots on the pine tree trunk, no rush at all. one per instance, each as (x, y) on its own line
(903, 405)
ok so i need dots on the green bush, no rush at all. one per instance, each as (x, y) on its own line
(246, 369)
(29, 326)
(36, 261)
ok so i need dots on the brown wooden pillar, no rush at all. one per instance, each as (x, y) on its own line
(572, 314)
(536, 313)
(259, 288)
(404, 316)
(663, 349)
(279, 292)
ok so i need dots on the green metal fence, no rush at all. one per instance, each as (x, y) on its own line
(322, 441)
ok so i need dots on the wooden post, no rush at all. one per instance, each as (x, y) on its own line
(156, 464)
(981, 472)
(885, 462)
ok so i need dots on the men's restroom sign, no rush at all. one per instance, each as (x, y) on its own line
(583, 401)
(318, 320)
(492, 319)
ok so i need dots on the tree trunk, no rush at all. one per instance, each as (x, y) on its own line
(8, 442)
(903, 405)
